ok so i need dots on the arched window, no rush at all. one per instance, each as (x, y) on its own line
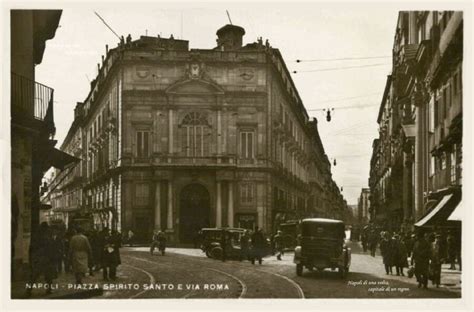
(195, 135)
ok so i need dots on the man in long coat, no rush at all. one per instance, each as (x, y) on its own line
(421, 258)
(436, 260)
(258, 246)
(110, 255)
(399, 254)
(42, 256)
(387, 253)
(79, 252)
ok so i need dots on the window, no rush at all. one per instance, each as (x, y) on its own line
(436, 112)
(455, 84)
(453, 167)
(142, 194)
(195, 135)
(432, 166)
(143, 144)
(443, 161)
(247, 144)
(444, 105)
(247, 193)
(431, 113)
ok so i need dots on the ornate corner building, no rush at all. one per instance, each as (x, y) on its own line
(179, 139)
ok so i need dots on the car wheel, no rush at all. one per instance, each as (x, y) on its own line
(208, 254)
(299, 269)
(216, 253)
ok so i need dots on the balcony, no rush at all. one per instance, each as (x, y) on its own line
(31, 99)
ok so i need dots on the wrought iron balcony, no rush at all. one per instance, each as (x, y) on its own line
(31, 99)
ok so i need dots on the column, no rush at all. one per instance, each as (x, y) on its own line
(169, 221)
(218, 205)
(230, 206)
(158, 205)
(170, 134)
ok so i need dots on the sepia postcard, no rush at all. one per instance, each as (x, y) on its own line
(274, 150)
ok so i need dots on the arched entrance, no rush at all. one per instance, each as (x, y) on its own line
(194, 211)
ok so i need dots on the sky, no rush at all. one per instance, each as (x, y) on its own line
(299, 31)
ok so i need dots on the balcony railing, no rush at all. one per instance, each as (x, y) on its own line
(439, 180)
(30, 98)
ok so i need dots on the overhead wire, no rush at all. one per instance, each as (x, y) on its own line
(339, 68)
(344, 59)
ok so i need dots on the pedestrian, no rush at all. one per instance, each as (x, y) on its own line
(258, 246)
(451, 250)
(421, 259)
(224, 242)
(244, 245)
(154, 241)
(92, 237)
(42, 258)
(110, 256)
(58, 247)
(400, 255)
(408, 240)
(278, 241)
(373, 241)
(387, 252)
(130, 238)
(436, 260)
(67, 238)
(364, 240)
(80, 252)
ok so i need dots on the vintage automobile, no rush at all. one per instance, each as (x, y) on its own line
(212, 238)
(322, 246)
(290, 230)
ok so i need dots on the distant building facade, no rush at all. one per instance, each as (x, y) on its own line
(178, 139)
(363, 207)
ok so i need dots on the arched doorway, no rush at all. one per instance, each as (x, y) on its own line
(194, 212)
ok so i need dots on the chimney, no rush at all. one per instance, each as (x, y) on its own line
(229, 37)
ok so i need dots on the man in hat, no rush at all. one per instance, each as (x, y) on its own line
(436, 260)
(421, 258)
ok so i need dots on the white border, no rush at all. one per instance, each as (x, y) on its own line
(242, 305)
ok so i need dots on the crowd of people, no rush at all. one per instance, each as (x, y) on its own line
(422, 253)
(75, 251)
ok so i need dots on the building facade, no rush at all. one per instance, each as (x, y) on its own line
(179, 139)
(32, 130)
(363, 207)
(417, 158)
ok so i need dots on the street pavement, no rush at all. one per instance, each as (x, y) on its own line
(188, 273)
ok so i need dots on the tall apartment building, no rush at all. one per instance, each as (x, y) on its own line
(417, 159)
(178, 139)
(32, 129)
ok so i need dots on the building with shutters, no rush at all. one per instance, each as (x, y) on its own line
(416, 165)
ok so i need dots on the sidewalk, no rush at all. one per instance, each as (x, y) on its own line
(63, 287)
(450, 279)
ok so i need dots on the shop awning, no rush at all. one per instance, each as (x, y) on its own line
(456, 215)
(60, 159)
(438, 216)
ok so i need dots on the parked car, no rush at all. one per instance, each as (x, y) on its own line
(322, 245)
(212, 238)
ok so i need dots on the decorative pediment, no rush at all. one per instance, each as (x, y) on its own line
(194, 87)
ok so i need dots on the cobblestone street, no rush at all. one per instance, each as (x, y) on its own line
(188, 273)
